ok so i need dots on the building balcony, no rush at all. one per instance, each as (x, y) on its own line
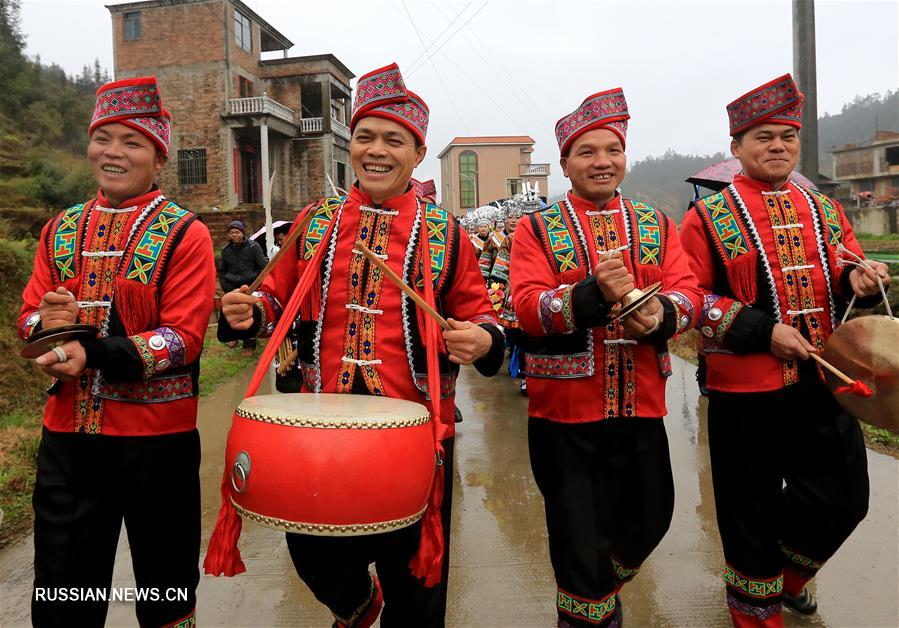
(255, 110)
(340, 129)
(315, 126)
(533, 170)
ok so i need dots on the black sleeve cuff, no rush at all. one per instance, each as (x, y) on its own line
(490, 364)
(225, 333)
(669, 320)
(115, 356)
(750, 331)
(588, 306)
(861, 302)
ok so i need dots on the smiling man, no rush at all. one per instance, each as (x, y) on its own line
(788, 463)
(119, 440)
(596, 387)
(358, 334)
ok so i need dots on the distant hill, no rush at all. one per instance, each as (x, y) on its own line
(857, 122)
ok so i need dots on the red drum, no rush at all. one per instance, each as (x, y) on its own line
(331, 465)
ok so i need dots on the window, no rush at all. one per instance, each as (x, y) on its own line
(242, 32)
(245, 87)
(192, 166)
(892, 155)
(132, 26)
(468, 179)
(513, 187)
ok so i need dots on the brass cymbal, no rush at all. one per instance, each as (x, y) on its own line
(867, 349)
(44, 340)
(639, 300)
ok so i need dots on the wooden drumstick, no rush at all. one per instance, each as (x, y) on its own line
(830, 367)
(288, 242)
(853, 386)
(392, 276)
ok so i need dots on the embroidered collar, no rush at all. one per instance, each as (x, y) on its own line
(762, 187)
(613, 206)
(406, 200)
(129, 204)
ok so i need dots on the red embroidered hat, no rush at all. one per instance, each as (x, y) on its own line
(136, 103)
(603, 110)
(383, 93)
(778, 102)
(426, 190)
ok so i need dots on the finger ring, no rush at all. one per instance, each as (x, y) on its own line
(63, 358)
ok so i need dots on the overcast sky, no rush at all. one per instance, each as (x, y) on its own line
(514, 68)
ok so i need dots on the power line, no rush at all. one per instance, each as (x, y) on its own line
(434, 41)
(447, 40)
(436, 71)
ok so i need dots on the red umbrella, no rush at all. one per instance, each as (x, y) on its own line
(720, 175)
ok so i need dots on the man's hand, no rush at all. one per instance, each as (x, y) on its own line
(237, 306)
(466, 342)
(864, 280)
(788, 344)
(644, 320)
(613, 279)
(76, 360)
(58, 308)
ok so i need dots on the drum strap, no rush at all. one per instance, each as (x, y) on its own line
(223, 555)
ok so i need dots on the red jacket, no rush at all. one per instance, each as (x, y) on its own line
(764, 257)
(581, 368)
(154, 263)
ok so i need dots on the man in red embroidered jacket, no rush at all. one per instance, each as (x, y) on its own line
(596, 388)
(358, 334)
(788, 463)
(119, 438)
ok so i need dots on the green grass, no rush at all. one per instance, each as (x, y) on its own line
(20, 429)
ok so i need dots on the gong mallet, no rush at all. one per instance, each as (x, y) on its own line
(402, 285)
(853, 386)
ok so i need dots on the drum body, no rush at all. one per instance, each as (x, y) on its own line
(330, 465)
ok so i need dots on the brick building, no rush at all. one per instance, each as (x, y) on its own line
(477, 170)
(241, 124)
(866, 180)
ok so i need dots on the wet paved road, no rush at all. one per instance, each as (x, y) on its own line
(500, 574)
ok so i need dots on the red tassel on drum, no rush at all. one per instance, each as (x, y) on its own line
(136, 305)
(223, 556)
(428, 561)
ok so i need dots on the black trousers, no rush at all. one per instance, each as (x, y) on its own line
(86, 486)
(609, 498)
(336, 569)
(791, 483)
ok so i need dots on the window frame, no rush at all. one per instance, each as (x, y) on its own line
(192, 170)
(130, 19)
(243, 31)
(468, 178)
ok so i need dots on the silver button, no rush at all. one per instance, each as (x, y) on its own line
(684, 320)
(714, 314)
(163, 364)
(156, 342)
(34, 319)
(556, 305)
(708, 332)
(270, 328)
(258, 294)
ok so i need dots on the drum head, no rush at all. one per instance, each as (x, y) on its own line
(333, 411)
(44, 340)
(648, 293)
(867, 349)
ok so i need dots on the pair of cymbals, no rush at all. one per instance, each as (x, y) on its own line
(44, 340)
(636, 299)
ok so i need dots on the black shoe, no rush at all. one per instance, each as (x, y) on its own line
(523, 388)
(804, 603)
(457, 416)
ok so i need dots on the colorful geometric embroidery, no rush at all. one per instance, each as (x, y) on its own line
(608, 108)
(831, 217)
(624, 573)
(64, 241)
(759, 612)
(807, 564)
(155, 239)
(146, 355)
(573, 365)
(440, 241)
(721, 218)
(650, 233)
(188, 621)
(553, 223)
(553, 302)
(779, 99)
(584, 608)
(726, 320)
(154, 390)
(319, 223)
(447, 385)
(174, 343)
(755, 588)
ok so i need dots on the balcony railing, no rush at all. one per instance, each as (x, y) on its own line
(340, 129)
(311, 125)
(257, 105)
(533, 169)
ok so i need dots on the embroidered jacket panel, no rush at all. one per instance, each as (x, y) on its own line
(155, 264)
(788, 240)
(368, 335)
(580, 367)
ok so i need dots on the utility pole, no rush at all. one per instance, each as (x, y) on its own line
(806, 77)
